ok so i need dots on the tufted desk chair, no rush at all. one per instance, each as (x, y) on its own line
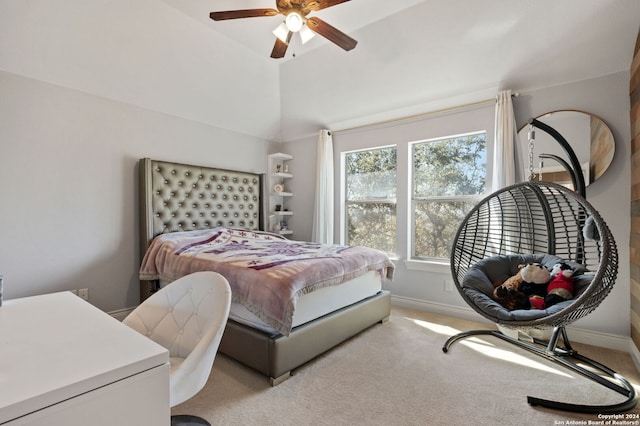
(187, 317)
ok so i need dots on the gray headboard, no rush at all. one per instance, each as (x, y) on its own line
(181, 197)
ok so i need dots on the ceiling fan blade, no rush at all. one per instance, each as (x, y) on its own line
(331, 33)
(321, 4)
(280, 48)
(245, 13)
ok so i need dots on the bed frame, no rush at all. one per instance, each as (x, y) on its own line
(180, 197)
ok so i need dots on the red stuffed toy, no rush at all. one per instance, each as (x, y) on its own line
(560, 287)
(537, 302)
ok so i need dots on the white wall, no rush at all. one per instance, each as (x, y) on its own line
(606, 97)
(145, 53)
(68, 185)
(432, 51)
(86, 89)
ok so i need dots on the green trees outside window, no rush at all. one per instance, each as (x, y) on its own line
(448, 177)
(371, 186)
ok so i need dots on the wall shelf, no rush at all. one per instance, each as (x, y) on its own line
(282, 175)
(279, 174)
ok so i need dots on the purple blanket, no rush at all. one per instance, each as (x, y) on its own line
(266, 272)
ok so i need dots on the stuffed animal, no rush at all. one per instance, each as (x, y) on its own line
(516, 291)
(537, 302)
(560, 287)
(535, 279)
(590, 231)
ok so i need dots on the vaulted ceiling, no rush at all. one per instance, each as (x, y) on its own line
(412, 56)
(256, 34)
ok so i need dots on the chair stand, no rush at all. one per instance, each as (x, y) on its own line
(187, 420)
(561, 355)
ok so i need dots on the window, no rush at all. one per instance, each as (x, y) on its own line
(448, 178)
(370, 198)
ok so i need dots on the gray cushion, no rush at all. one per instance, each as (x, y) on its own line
(478, 284)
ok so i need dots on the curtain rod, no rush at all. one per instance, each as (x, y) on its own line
(424, 114)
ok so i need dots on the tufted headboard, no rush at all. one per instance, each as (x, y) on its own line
(180, 197)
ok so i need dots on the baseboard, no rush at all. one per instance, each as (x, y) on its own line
(635, 354)
(596, 338)
(121, 314)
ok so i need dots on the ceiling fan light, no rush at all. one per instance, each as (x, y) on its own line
(306, 34)
(294, 22)
(281, 32)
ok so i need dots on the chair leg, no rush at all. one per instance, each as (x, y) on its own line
(187, 420)
(561, 356)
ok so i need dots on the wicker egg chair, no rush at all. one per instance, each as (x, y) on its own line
(539, 222)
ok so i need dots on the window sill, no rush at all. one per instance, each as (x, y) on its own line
(428, 266)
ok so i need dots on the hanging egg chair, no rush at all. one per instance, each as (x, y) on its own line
(539, 222)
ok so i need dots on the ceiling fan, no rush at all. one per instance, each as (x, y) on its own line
(295, 12)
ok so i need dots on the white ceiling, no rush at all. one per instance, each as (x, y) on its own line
(256, 33)
(413, 54)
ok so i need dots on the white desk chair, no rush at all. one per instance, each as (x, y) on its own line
(187, 317)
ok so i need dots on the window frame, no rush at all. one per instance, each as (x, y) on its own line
(428, 263)
(343, 194)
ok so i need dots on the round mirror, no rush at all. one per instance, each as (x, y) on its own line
(588, 135)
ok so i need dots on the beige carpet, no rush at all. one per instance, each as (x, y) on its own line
(396, 374)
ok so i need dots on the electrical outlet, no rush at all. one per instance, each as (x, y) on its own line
(448, 284)
(83, 293)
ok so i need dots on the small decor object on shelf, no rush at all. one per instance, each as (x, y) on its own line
(281, 192)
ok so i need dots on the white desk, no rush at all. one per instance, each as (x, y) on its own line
(65, 362)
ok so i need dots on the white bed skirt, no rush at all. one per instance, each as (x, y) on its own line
(317, 303)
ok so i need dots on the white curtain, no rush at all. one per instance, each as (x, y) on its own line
(506, 136)
(323, 211)
(504, 167)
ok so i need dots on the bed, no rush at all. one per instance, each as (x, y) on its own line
(181, 203)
